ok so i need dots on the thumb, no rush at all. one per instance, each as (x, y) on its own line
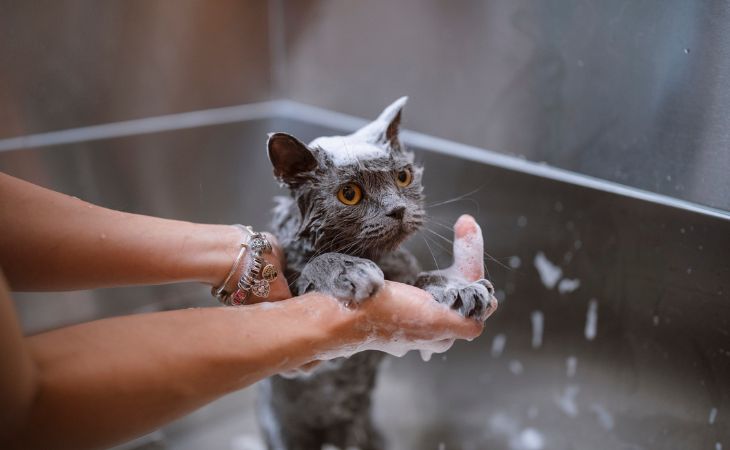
(468, 249)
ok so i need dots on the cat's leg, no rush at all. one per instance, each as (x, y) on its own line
(278, 430)
(348, 278)
(400, 265)
(360, 434)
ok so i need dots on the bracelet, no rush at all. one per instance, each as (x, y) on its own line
(220, 292)
(256, 277)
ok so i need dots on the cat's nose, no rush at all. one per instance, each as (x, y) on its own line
(397, 212)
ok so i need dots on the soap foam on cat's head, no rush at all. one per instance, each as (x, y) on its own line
(368, 143)
(348, 150)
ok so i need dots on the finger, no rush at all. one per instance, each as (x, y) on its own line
(461, 327)
(468, 249)
(436, 318)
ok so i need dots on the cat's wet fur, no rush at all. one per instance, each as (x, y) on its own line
(348, 252)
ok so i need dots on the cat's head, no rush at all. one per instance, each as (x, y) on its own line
(358, 194)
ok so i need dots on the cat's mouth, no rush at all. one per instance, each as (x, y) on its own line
(398, 233)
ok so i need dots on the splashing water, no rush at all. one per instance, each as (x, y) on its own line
(566, 401)
(605, 419)
(571, 366)
(592, 320)
(713, 416)
(537, 320)
(498, 344)
(567, 285)
(528, 439)
(549, 273)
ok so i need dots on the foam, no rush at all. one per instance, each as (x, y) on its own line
(348, 150)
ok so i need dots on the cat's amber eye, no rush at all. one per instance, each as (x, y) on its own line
(404, 177)
(350, 194)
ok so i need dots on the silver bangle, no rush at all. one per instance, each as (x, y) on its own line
(220, 292)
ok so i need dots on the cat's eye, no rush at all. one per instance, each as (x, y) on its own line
(404, 178)
(350, 194)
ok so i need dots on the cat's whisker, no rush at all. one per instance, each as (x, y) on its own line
(431, 251)
(438, 244)
(455, 199)
(487, 255)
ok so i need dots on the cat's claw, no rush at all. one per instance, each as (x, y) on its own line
(347, 278)
(473, 300)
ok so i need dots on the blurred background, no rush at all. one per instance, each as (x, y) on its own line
(589, 138)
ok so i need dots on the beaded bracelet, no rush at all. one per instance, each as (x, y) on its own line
(256, 277)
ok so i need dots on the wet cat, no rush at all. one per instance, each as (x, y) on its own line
(354, 200)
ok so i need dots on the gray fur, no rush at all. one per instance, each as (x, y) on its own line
(345, 277)
(330, 247)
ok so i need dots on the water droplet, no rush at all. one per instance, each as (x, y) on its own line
(516, 367)
(571, 366)
(655, 320)
(558, 206)
(498, 344)
(578, 244)
(102, 235)
(515, 262)
(689, 270)
(686, 51)
(581, 63)
(522, 221)
(682, 230)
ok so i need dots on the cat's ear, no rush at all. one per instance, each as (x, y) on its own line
(292, 160)
(386, 128)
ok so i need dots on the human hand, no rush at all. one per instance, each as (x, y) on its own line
(400, 317)
(412, 313)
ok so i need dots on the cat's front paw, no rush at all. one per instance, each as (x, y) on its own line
(475, 300)
(345, 277)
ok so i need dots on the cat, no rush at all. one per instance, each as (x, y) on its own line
(354, 200)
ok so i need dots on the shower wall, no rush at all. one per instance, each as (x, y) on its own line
(74, 63)
(631, 92)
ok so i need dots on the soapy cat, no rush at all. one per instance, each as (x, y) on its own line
(353, 201)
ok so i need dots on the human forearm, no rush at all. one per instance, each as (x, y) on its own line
(97, 386)
(51, 241)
